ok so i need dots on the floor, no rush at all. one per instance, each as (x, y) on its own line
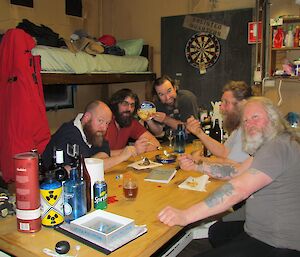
(196, 246)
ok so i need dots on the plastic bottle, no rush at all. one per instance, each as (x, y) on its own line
(179, 139)
(296, 36)
(27, 192)
(216, 132)
(278, 38)
(289, 38)
(74, 196)
(86, 177)
(52, 207)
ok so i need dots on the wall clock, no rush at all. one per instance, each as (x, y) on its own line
(202, 51)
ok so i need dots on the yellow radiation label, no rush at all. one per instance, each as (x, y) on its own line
(52, 218)
(51, 196)
(52, 207)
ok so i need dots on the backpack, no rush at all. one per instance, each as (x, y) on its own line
(43, 34)
(23, 120)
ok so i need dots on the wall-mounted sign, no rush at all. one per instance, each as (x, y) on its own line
(202, 25)
(254, 32)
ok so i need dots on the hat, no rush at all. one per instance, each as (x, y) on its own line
(85, 44)
(107, 40)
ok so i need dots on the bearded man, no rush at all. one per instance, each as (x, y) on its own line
(87, 131)
(270, 184)
(234, 96)
(174, 106)
(124, 126)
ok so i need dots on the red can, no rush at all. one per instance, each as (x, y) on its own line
(27, 192)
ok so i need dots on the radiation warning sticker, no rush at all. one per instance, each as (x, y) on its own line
(52, 207)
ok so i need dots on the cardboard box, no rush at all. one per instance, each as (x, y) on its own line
(103, 226)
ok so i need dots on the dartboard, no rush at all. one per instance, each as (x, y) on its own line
(202, 49)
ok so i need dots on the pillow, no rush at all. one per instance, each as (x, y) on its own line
(131, 46)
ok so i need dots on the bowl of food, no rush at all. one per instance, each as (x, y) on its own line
(146, 110)
(163, 158)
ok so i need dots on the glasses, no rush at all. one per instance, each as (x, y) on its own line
(225, 102)
(126, 104)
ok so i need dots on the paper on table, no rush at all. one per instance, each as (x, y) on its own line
(137, 165)
(197, 184)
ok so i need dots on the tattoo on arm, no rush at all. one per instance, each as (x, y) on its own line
(217, 197)
(221, 170)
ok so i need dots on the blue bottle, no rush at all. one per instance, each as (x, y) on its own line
(52, 208)
(74, 196)
(180, 136)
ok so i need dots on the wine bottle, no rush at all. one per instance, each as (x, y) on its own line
(179, 139)
(86, 177)
(61, 173)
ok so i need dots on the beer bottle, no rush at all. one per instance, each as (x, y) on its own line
(216, 132)
(86, 177)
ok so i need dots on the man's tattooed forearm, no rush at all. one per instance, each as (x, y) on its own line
(221, 171)
(217, 197)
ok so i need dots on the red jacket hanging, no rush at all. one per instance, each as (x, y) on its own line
(23, 121)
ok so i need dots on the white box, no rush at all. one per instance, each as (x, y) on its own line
(102, 226)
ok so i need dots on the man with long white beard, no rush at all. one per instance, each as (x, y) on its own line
(270, 185)
(87, 130)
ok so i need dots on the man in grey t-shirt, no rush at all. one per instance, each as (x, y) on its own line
(271, 185)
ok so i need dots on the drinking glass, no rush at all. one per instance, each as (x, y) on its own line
(170, 135)
(130, 187)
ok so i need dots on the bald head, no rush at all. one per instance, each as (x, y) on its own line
(95, 121)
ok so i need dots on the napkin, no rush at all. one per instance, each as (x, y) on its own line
(197, 184)
(137, 165)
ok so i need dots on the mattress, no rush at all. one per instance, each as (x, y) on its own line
(61, 60)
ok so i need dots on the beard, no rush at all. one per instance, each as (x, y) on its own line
(231, 121)
(124, 119)
(93, 137)
(251, 143)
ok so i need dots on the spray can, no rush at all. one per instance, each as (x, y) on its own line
(27, 192)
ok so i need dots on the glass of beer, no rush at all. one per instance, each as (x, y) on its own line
(130, 187)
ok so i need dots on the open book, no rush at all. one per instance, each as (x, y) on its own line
(161, 175)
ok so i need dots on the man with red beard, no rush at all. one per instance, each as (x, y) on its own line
(173, 107)
(87, 130)
(270, 185)
(234, 96)
(124, 126)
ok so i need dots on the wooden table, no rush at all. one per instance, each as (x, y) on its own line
(152, 197)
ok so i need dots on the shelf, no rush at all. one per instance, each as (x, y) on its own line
(285, 49)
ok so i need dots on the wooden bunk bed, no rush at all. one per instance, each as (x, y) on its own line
(104, 78)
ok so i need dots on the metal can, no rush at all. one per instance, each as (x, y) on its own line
(100, 195)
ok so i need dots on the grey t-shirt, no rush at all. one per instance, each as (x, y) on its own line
(185, 106)
(234, 144)
(273, 212)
